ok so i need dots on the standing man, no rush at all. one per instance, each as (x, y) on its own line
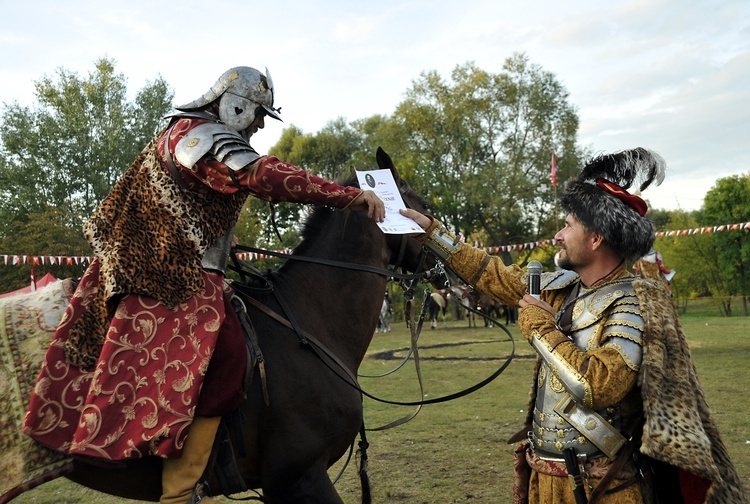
(616, 407)
(150, 352)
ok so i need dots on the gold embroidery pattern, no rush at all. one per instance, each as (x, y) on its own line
(142, 394)
(578, 308)
(27, 323)
(628, 360)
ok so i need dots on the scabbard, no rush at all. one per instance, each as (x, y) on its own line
(574, 476)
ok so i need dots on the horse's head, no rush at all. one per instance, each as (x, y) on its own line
(406, 250)
(353, 236)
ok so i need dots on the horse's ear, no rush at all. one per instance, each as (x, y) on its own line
(386, 163)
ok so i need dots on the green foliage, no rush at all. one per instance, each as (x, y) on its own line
(75, 143)
(482, 145)
(693, 257)
(478, 147)
(710, 263)
(331, 153)
(47, 233)
(659, 217)
(728, 202)
(61, 157)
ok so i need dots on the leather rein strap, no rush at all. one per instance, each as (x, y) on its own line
(305, 337)
(340, 264)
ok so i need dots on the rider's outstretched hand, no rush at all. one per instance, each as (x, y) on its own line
(375, 206)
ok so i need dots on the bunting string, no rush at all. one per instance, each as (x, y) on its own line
(67, 260)
(70, 260)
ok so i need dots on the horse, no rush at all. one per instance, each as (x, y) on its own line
(491, 309)
(468, 298)
(304, 414)
(437, 304)
(384, 321)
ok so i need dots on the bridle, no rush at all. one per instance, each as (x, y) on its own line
(407, 281)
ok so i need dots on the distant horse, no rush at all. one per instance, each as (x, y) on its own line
(314, 411)
(491, 309)
(384, 321)
(437, 304)
(468, 298)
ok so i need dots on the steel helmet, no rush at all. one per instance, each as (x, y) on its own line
(240, 91)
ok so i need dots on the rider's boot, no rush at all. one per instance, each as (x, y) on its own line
(180, 476)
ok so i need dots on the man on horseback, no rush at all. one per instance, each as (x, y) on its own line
(617, 413)
(150, 338)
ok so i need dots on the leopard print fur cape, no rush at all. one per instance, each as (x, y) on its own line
(148, 235)
(679, 428)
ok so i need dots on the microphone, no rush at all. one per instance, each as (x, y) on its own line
(534, 277)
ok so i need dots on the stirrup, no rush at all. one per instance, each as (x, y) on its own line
(200, 492)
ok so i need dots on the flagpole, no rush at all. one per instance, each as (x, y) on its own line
(553, 170)
(557, 226)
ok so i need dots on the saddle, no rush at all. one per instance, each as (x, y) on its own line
(222, 475)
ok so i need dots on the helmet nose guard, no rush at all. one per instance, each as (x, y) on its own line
(240, 91)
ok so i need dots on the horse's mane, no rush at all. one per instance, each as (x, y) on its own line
(318, 219)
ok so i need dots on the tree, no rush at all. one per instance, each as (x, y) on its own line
(60, 158)
(72, 147)
(482, 146)
(43, 234)
(478, 146)
(729, 202)
(330, 153)
(682, 253)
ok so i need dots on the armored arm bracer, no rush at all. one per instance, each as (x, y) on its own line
(623, 331)
(573, 381)
(438, 240)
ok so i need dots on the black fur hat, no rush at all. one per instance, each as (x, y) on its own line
(598, 198)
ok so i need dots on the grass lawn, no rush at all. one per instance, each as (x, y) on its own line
(456, 451)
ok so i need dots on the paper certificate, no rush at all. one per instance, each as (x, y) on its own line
(381, 183)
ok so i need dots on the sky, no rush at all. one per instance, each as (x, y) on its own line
(669, 75)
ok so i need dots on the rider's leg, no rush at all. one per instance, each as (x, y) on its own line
(180, 476)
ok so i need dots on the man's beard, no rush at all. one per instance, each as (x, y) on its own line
(565, 263)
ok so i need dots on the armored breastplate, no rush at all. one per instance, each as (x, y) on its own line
(216, 256)
(606, 315)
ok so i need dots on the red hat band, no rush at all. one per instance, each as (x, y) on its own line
(633, 201)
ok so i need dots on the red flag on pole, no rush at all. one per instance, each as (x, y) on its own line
(554, 170)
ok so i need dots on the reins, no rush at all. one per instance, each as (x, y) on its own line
(391, 273)
(339, 369)
(311, 342)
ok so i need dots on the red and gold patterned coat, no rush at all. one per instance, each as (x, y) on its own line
(126, 367)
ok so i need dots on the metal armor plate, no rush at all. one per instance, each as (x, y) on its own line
(622, 328)
(223, 143)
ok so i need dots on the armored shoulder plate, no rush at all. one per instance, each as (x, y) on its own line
(593, 303)
(555, 280)
(623, 330)
(223, 143)
(198, 114)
